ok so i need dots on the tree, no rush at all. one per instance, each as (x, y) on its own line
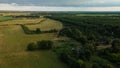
(86, 51)
(38, 30)
(81, 63)
(116, 45)
(98, 62)
(31, 47)
(45, 44)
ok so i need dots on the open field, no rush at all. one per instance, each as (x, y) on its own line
(22, 21)
(45, 26)
(13, 44)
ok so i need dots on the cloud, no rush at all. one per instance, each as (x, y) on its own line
(66, 3)
(16, 7)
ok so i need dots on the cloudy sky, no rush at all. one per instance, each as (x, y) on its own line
(60, 5)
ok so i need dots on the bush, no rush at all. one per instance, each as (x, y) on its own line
(114, 58)
(31, 47)
(45, 44)
(81, 63)
(38, 30)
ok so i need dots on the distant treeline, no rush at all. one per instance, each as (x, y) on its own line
(100, 26)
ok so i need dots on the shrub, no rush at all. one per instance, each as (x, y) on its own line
(45, 44)
(31, 47)
(81, 64)
(38, 30)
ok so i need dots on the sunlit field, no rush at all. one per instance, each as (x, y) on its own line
(47, 24)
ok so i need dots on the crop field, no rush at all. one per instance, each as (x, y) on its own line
(13, 44)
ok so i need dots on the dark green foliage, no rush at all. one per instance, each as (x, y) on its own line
(91, 37)
(101, 63)
(31, 47)
(114, 58)
(86, 51)
(27, 30)
(74, 33)
(116, 46)
(81, 63)
(41, 45)
(38, 31)
(91, 32)
(27, 16)
(45, 44)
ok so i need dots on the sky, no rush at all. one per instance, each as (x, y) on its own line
(60, 5)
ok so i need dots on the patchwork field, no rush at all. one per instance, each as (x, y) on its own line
(13, 44)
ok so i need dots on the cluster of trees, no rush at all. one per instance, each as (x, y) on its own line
(40, 45)
(90, 42)
(37, 31)
(83, 56)
(91, 32)
(112, 53)
(73, 33)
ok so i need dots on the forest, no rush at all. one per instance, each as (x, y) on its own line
(98, 37)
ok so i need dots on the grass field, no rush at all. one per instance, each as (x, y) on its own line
(21, 21)
(3, 18)
(13, 44)
(48, 24)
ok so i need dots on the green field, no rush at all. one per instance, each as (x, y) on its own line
(13, 44)
(5, 18)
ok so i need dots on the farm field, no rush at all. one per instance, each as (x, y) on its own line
(13, 44)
